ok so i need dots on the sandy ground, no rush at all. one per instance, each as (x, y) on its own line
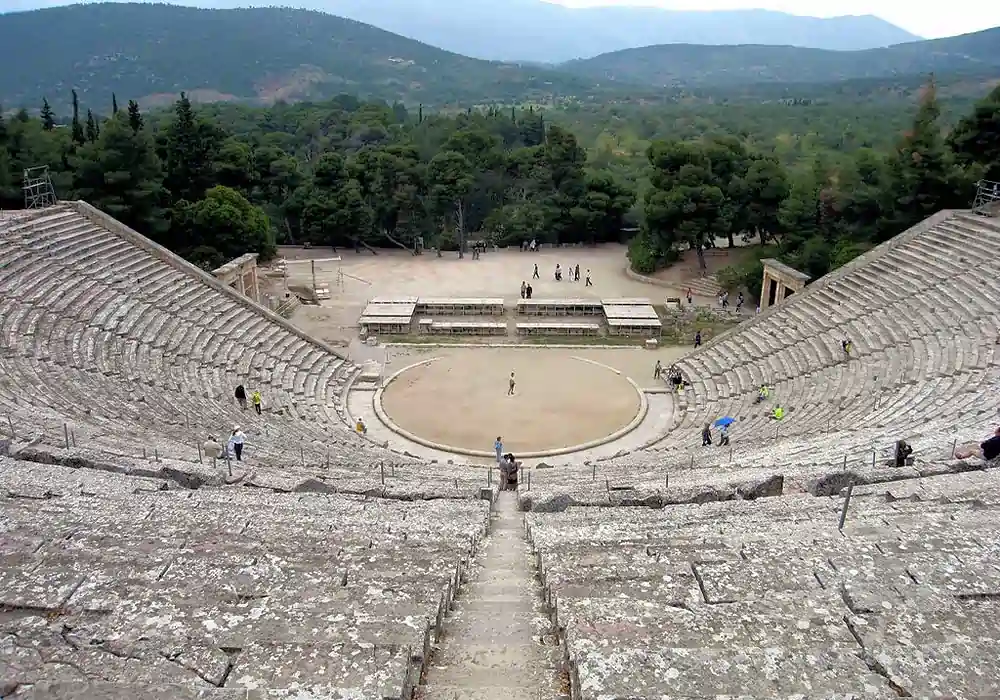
(496, 274)
(558, 401)
(461, 399)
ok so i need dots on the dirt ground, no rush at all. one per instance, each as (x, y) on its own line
(461, 399)
(495, 274)
(687, 268)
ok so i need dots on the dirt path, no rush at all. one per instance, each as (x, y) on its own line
(498, 643)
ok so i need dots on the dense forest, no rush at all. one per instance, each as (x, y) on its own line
(213, 182)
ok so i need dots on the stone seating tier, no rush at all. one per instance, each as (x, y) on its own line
(923, 324)
(683, 601)
(130, 347)
(140, 586)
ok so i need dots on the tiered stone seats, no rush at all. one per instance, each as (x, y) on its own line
(769, 599)
(136, 351)
(922, 312)
(128, 587)
(923, 322)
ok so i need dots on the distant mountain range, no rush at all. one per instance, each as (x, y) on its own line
(152, 52)
(685, 65)
(544, 32)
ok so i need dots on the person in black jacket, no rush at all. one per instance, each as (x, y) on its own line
(241, 396)
(903, 451)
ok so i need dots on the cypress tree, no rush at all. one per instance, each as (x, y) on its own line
(77, 133)
(134, 116)
(48, 118)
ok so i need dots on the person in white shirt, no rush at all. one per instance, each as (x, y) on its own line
(235, 445)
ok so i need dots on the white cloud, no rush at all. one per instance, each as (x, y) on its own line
(929, 20)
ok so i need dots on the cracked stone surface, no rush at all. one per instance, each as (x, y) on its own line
(109, 590)
(770, 599)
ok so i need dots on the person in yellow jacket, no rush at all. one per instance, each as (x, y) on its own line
(778, 413)
(256, 401)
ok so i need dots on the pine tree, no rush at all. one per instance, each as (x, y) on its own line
(114, 104)
(77, 133)
(93, 130)
(191, 149)
(976, 138)
(925, 177)
(134, 116)
(120, 174)
(48, 118)
(420, 114)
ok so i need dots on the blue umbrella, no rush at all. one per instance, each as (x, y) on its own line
(726, 420)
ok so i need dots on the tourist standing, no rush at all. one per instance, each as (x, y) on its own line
(235, 444)
(498, 447)
(510, 385)
(256, 401)
(241, 396)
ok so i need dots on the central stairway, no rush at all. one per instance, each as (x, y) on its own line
(499, 643)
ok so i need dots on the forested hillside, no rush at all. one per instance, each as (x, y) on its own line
(153, 52)
(692, 65)
(156, 51)
(215, 182)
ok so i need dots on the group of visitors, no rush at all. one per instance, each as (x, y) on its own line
(706, 435)
(673, 375)
(241, 398)
(526, 289)
(233, 449)
(572, 274)
(724, 300)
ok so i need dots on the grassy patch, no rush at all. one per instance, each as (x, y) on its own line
(680, 330)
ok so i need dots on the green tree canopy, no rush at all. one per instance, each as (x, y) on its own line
(222, 226)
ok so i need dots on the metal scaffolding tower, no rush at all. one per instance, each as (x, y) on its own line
(38, 189)
(987, 200)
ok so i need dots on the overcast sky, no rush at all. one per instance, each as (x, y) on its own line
(926, 19)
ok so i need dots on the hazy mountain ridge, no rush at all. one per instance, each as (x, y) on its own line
(538, 31)
(264, 54)
(674, 65)
(151, 52)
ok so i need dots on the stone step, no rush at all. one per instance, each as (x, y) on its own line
(496, 664)
(454, 692)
